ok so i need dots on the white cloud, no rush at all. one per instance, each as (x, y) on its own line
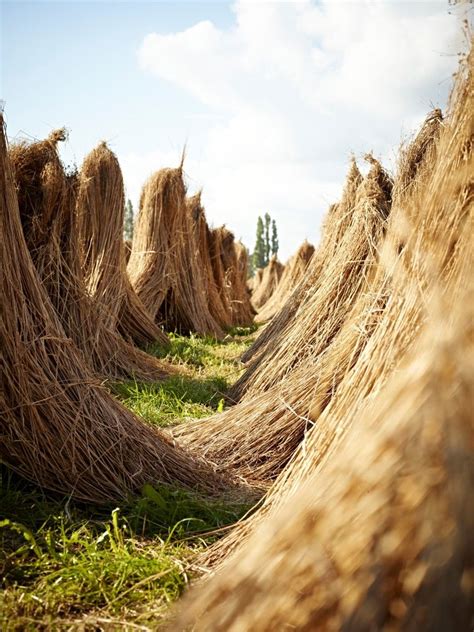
(295, 87)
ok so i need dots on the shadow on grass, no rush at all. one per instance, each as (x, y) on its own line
(158, 510)
(174, 400)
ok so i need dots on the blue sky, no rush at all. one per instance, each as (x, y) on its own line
(271, 97)
(75, 64)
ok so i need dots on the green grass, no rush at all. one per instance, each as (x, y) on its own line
(67, 570)
(174, 400)
(205, 355)
(61, 561)
(212, 366)
(66, 564)
(243, 331)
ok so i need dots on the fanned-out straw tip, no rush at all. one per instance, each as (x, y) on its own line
(58, 135)
(183, 158)
(435, 115)
(354, 173)
(369, 157)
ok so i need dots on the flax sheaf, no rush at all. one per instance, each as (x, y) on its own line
(164, 261)
(47, 204)
(257, 437)
(100, 205)
(293, 273)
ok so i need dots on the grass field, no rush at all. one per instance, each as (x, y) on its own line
(66, 565)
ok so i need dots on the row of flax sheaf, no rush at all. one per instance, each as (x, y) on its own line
(181, 275)
(355, 414)
(353, 419)
(75, 315)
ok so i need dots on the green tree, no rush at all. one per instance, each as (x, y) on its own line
(258, 257)
(128, 221)
(267, 238)
(275, 244)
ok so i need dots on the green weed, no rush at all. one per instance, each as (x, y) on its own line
(60, 559)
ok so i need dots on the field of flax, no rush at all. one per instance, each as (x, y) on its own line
(298, 446)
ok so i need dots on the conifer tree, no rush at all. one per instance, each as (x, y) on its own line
(258, 256)
(267, 238)
(275, 244)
